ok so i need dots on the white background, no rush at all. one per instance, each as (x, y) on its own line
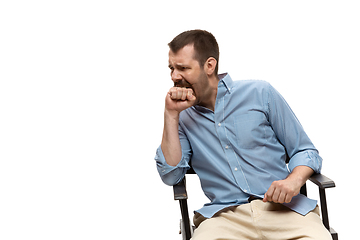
(82, 98)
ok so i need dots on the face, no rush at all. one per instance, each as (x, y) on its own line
(186, 71)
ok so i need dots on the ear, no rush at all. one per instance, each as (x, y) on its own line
(210, 65)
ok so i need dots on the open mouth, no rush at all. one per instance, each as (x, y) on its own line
(183, 84)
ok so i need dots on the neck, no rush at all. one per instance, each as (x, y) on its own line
(210, 99)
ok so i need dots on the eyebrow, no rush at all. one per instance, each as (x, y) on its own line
(178, 65)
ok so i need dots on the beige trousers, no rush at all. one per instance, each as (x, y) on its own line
(259, 220)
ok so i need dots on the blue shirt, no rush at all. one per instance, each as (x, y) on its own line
(240, 149)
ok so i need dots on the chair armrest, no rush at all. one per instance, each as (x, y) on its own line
(322, 181)
(180, 190)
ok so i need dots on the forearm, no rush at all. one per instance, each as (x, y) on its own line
(300, 175)
(170, 144)
(177, 100)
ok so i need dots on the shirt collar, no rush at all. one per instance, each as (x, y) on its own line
(226, 80)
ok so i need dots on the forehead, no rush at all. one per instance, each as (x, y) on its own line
(184, 55)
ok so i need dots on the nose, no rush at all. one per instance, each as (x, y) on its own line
(176, 76)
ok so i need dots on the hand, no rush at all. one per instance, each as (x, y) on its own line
(282, 191)
(179, 99)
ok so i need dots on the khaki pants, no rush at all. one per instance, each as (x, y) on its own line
(259, 220)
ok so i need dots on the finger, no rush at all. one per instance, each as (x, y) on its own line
(190, 94)
(275, 196)
(176, 93)
(172, 93)
(265, 198)
(288, 198)
(269, 193)
(282, 197)
(183, 94)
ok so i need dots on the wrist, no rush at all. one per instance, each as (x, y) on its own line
(300, 175)
(171, 114)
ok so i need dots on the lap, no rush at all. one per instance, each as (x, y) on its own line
(258, 220)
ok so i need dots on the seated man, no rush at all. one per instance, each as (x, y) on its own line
(237, 135)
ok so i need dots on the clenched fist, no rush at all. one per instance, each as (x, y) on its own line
(283, 191)
(179, 99)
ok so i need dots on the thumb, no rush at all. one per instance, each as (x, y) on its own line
(265, 198)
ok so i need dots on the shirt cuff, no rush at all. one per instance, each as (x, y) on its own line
(171, 175)
(306, 158)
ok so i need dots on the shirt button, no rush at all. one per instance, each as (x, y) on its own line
(227, 147)
(236, 169)
(219, 124)
(245, 190)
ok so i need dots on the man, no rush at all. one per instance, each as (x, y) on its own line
(237, 135)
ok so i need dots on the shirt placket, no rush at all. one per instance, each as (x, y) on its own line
(231, 156)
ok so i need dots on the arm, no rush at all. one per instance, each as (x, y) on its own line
(177, 100)
(291, 134)
(304, 158)
(173, 155)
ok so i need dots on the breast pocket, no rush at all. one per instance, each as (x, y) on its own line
(250, 129)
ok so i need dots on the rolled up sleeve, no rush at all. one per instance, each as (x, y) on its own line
(309, 158)
(291, 134)
(171, 175)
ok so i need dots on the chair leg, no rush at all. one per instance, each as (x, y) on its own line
(324, 212)
(334, 234)
(185, 226)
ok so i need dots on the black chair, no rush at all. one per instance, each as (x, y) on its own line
(186, 229)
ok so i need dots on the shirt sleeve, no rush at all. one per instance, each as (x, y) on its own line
(291, 134)
(171, 175)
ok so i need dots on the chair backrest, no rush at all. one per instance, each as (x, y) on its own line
(287, 160)
(190, 171)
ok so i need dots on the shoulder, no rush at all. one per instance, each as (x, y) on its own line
(252, 84)
(252, 87)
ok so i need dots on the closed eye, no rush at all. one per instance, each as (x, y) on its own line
(178, 67)
(182, 68)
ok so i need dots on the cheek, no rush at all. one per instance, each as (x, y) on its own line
(193, 77)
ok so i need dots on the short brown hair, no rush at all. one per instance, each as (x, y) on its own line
(205, 45)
